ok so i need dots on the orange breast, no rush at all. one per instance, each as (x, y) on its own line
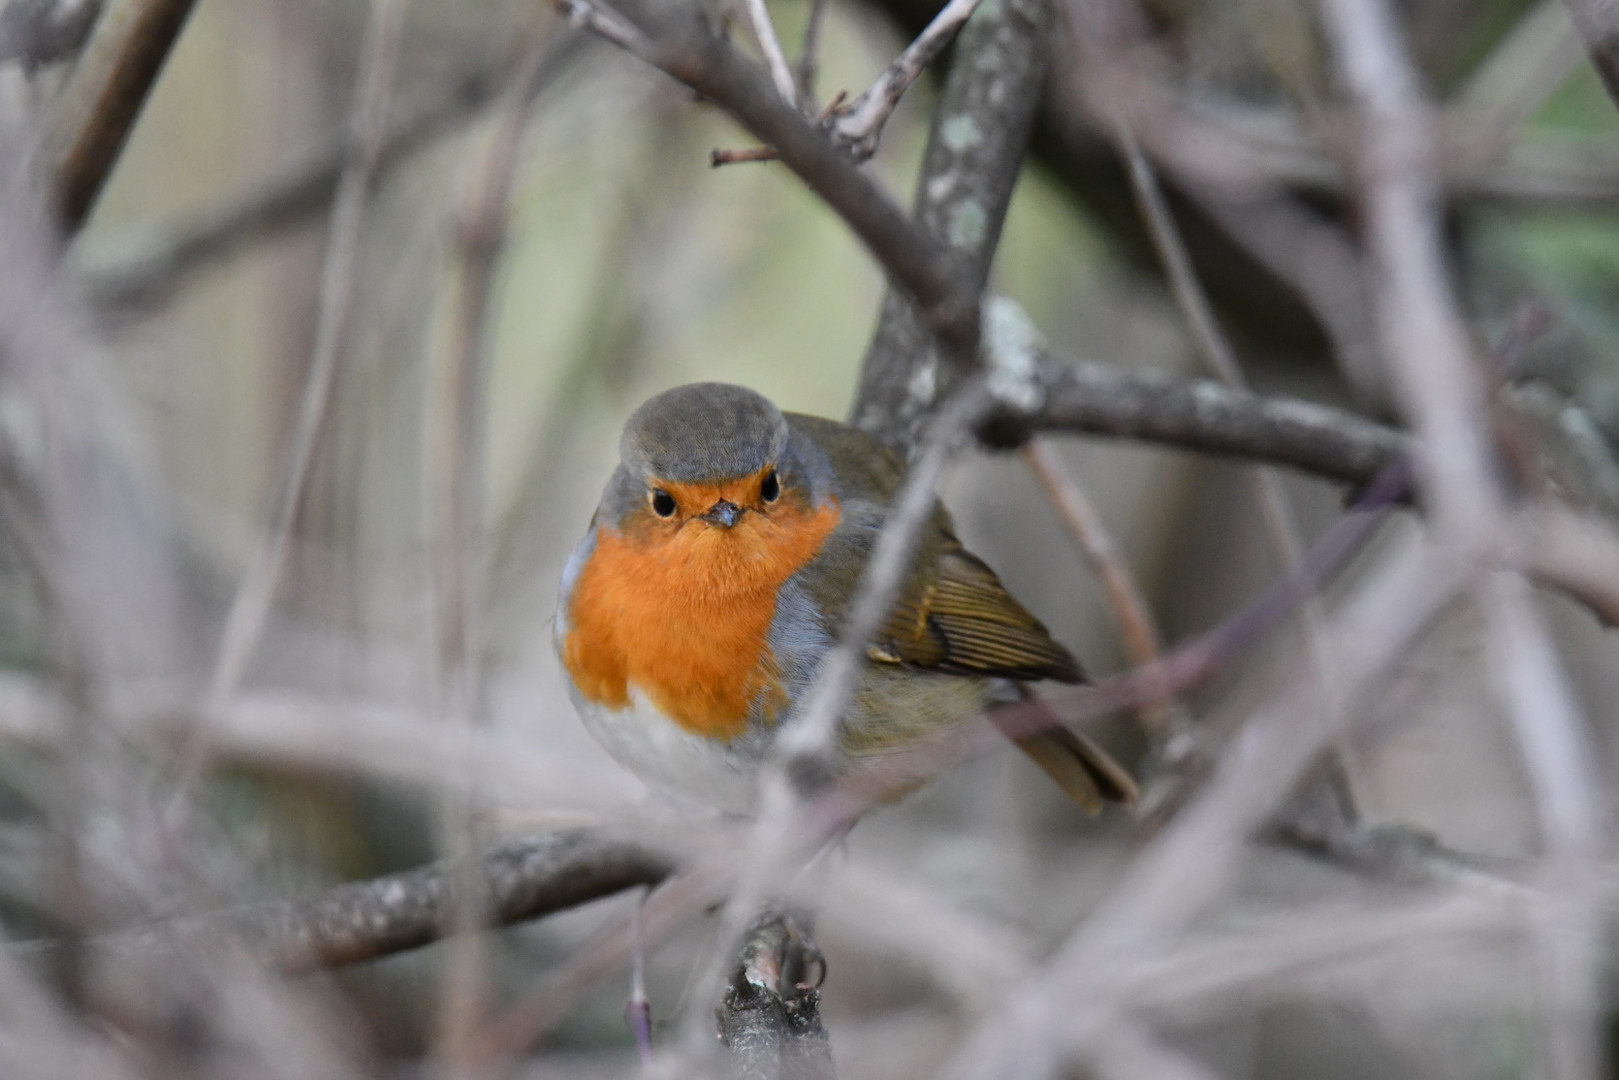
(684, 616)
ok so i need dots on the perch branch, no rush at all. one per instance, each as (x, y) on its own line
(521, 880)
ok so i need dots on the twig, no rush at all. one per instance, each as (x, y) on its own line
(457, 407)
(1425, 343)
(97, 109)
(810, 734)
(1143, 642)
(807, 59)
(720, 157)
(860, 125)
(765, 31)
(681, 44)
(251, 604)
(609, 26)
(1217, 352)
(1193, 859)
(1432, 368)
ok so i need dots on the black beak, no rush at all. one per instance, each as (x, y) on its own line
(725, 512)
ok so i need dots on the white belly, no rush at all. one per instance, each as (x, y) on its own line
(707, 772)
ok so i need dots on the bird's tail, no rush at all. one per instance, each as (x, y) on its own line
(1084, 770)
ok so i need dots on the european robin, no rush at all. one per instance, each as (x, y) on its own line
(716, 573)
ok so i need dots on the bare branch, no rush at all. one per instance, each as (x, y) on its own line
(1205, 416)
(457, 406)
(254, 595)
(860, 124)
(681, 44)
(771, 1018)
(1143, 641)
(98, 107)
(974, 154)
(520, 880)
(812, 41)
(609, 26)
(765, 31)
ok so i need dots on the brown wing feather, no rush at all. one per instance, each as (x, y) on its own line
(960, 618)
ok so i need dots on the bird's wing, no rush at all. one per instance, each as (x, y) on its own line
(955, 615)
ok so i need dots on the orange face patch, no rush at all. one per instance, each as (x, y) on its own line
(681, 608)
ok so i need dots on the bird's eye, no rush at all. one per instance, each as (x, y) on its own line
(770, 487)
(663, 503)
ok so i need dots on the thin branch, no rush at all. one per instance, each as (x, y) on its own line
(860, 124)
(680, 43)
(1568, 925)
(812, 42)
(609, 26)
(1425, 344)
(254, 596)
(811, 733)
(97, 109)
(1143, 641)
(765, 31)
(1195, 857)
(1432, 367)
(1198, 312)
(458, 406)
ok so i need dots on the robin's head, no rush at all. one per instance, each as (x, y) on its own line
(708, 455)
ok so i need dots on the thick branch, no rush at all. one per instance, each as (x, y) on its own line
(99, 105)
(521, 880)
(973, 157)
(1205, 416)
(771, 1019)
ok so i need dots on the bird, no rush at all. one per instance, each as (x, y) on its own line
(715, 575)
